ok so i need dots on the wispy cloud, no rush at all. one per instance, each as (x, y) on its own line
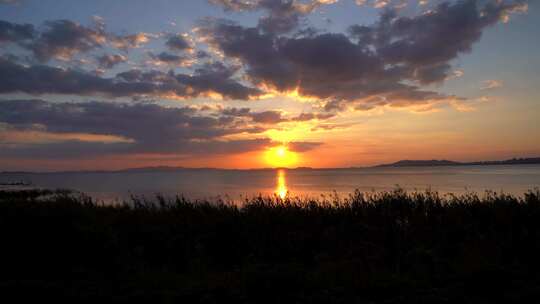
(491, 84)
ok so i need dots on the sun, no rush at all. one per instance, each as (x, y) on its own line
(280, 156)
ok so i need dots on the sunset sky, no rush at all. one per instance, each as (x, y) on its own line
(111, 84)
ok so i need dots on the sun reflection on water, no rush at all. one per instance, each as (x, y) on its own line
(281, 188)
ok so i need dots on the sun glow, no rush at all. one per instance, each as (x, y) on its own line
(280, 156)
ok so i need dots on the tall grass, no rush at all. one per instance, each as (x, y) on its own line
(387, 247)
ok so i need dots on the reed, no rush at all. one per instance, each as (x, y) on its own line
(387, 247)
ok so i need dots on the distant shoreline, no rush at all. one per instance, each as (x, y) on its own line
(439, 163)
(398, 164)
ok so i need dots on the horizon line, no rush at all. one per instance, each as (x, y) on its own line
(394, 164)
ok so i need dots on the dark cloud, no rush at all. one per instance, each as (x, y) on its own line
(64, 38)
(70, 149)
(39, 79)
(432, 73)
(267, 117)
(168, 58)
(256, 50)
(313, 116)
(326, 66)
(281, 16)
(12, 32)
(239, 112)
(202, 55)
(425, 44)
(382, 64)
(273, 116)
(74, 149)
(218, 78)
(150, 127)
(108, 61)
(177, 43)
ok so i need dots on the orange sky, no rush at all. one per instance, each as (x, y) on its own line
(248, 86)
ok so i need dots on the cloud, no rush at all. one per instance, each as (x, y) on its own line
(491, 84)
(126, 42)
(267, 117)
(471, 105)
(434, 38)
(109, 61)
(329, 127)
(177, 43)
(312, 116)
(281, 16)
(61, 39)
(455, 74)
(170, 59)
(129, 128)
(381, 4)
(273, 116)
(239, 112)
(326, 66)
(384, 64)
(12, 32)
(521, 8)
(208, 80)
(218, 78)
(264, 117)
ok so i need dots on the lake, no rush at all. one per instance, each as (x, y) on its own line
(235, 184)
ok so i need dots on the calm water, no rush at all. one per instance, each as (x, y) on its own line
(514, 179)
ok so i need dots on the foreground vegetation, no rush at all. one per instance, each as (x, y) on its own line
(390, 247)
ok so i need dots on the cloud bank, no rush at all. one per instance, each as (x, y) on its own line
(129, 128)
(397, 61)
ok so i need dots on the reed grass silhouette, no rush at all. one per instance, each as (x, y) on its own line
(387, 247)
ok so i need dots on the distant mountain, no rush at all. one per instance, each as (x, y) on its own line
(434, 163)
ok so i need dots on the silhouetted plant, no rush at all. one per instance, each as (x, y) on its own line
(377, 247)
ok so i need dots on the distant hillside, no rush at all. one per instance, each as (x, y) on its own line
(433, 163)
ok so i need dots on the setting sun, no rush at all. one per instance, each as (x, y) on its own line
(280, 156)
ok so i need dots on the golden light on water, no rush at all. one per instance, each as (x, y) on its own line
(281, 188)
(280, 156)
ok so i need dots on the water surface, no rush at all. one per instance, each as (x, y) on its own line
(236, 184)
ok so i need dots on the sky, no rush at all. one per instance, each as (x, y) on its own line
(113, 84)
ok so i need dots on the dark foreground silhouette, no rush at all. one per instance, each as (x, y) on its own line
(379, 248)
